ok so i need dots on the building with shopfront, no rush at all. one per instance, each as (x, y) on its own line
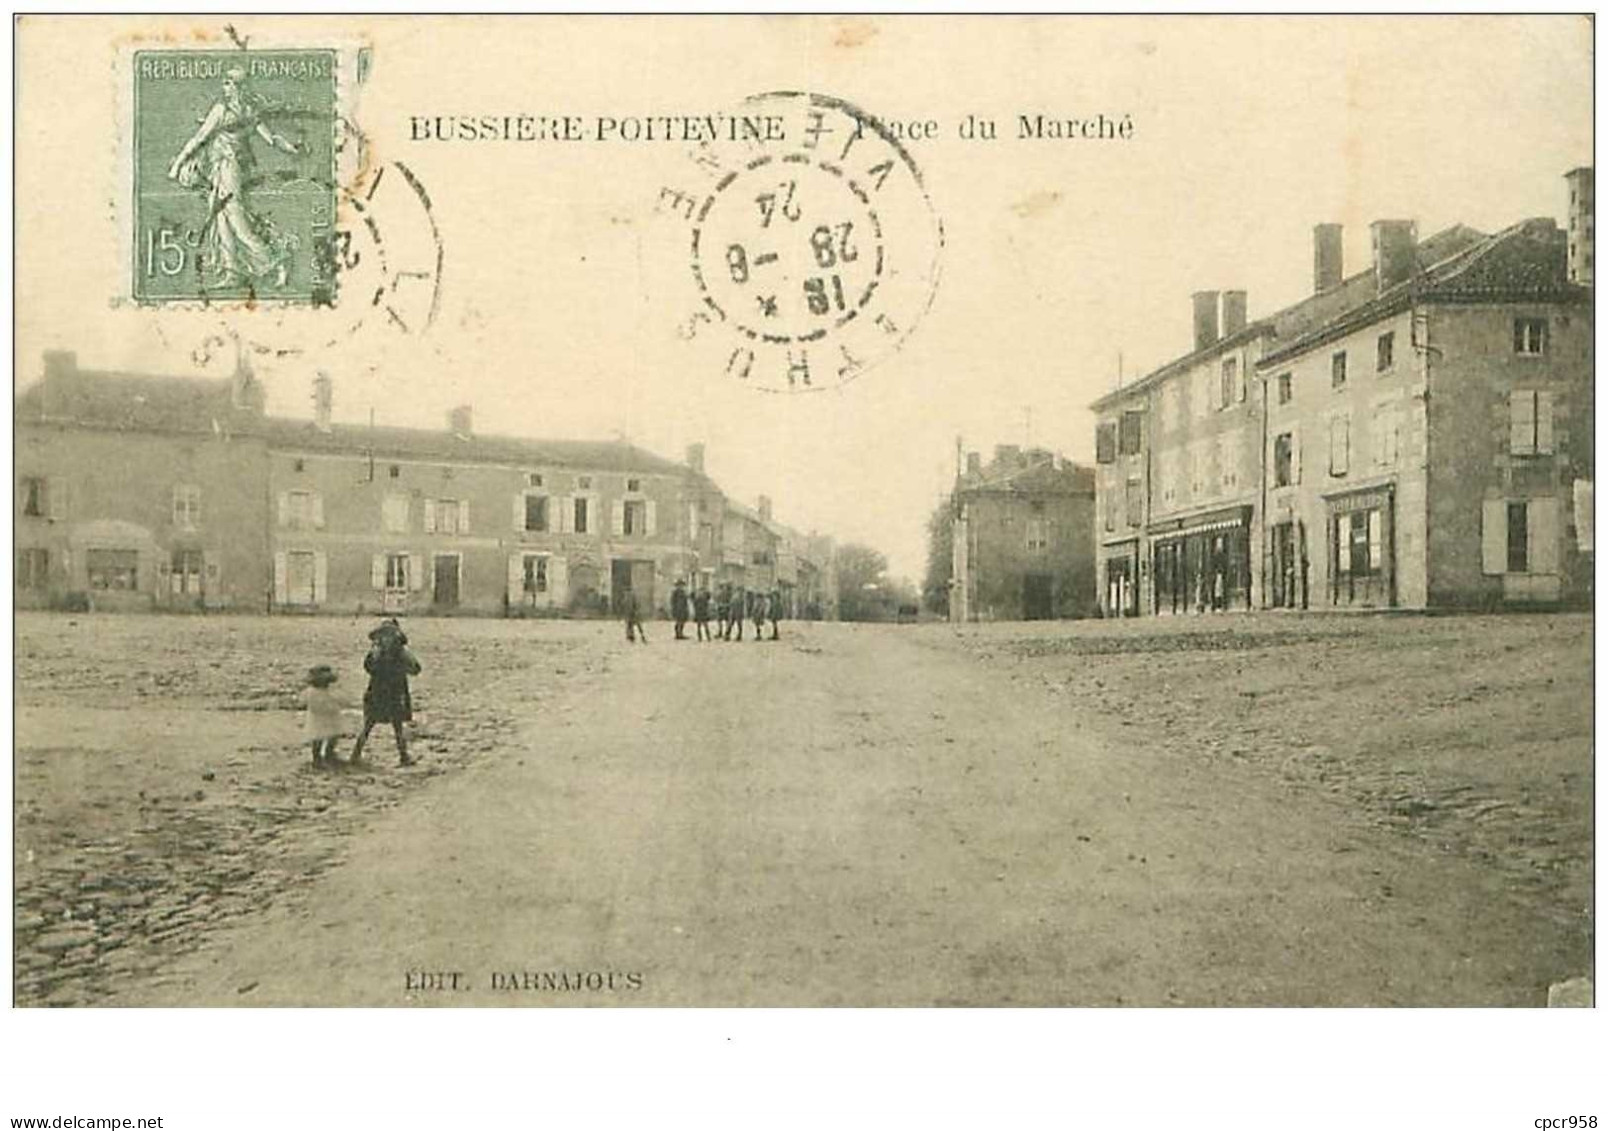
(1412, 435)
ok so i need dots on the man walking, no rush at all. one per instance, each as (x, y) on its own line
(679, 608)
(633, 618)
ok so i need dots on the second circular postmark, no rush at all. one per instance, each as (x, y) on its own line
(814, 245)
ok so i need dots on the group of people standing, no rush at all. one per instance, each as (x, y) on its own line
(731, 606)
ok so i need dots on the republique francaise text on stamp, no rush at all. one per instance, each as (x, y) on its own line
(234, 188)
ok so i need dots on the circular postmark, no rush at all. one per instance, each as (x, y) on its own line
(814, 244)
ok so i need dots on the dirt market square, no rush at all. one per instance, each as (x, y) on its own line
(1251, 810)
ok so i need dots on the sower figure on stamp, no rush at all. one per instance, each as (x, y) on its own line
(388, 700)
(633, 617)
(323, 723)
(240, 245)
(680, 608)
(700, 613)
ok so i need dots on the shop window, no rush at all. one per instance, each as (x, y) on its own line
(184, 572)
(112, 569)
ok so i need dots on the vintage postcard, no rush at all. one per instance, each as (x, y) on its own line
(803, 511)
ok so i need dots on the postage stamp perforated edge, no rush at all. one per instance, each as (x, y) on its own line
(352, 56)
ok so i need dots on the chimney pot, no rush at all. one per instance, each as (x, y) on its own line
(974, 463)
(461, 420)
(765, 507)
(1234, 306)
(1205, 303)
(1328, 257)
(323, 400)
(695, 457)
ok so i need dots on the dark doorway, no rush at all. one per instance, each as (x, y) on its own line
(446, 580)
(1038, 600)
(627, 577)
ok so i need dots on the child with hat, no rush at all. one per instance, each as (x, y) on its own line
(323, 720)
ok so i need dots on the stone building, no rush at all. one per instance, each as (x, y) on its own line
(1412, 435)
(1023, 538)
(141, 492)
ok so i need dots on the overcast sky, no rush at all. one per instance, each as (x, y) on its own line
(562, 288)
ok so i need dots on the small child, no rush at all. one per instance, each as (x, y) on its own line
(323, 722)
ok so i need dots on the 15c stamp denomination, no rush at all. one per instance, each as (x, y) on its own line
(813, 243)
(234, 187)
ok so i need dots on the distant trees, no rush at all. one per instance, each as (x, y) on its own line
(862, 577)
(940, 559)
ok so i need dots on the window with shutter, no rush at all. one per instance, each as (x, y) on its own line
(1518, 537)
(1130, 433)
(429, 516)
(320, 577)
(463, 516)
(377, 572)
(1105, 443)
(1339, 445)
(1544, 535)
(1521, 422)
(1493, 536)
(652, 517)
(1543, 422)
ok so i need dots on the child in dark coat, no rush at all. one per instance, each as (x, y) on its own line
(388, 700)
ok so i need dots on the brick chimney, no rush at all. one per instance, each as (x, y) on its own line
(765, 508)
(1395, 252)
(1008, 456)
(695, 457)
(1234, 305)
(462, 421)
(1328, 257)
(323, 400)
(1205, 318)
(974, 463)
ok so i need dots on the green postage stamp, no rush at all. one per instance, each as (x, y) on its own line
(234, 176)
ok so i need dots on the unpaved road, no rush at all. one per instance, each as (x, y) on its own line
(857, 815)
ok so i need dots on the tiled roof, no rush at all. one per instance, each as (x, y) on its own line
(1524, 262)
(1315, 314)
(434, 444)
(132, 401)
(1039, 477)
(142, 402)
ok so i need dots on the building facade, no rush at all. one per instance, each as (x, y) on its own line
(154, 492)
(1414, 435)
(1023, 532)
